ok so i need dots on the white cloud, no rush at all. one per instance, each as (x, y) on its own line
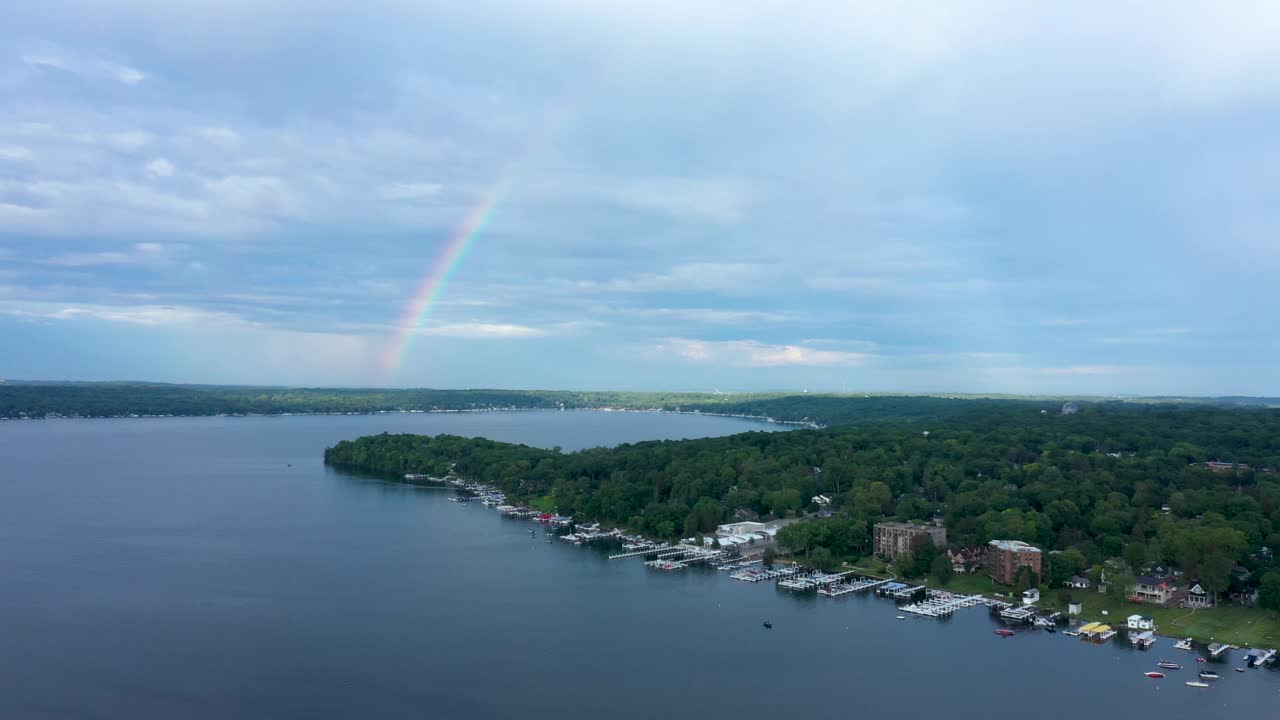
(14, 152)
(256, 195)
(1087, 370)
(1063, 322)
(143, 253)
(754, 354)
(411, 191)
(222, 136)
(160, 167)
(480, 330)
(90, 68)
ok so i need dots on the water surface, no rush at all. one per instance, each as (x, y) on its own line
(214, 568)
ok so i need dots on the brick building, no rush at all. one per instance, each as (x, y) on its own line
(1006, 557)
(892, 539)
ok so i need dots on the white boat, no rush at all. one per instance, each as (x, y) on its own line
(1193, 683)
(902, 617)
(1183, 644)
(1071, 633)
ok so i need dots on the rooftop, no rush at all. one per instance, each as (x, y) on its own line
(1013, 546)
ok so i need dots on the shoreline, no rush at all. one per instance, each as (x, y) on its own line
(758, 418)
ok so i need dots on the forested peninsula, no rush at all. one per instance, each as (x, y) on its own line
(1113, 485)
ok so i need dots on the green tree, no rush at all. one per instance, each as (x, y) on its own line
(770, 555)
(822, 559)
(1269, 593)
(941, 570)
(1119, 584)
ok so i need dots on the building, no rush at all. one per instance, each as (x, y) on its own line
(893, 539)
(1217, 466)
(1198, 597)
(967, 560)
(1140, 622)
(1077, 582)
(821, 500)
(1031, 597)
(1151, 589)
(739, 528)
(1075, 608)
(1006, 557)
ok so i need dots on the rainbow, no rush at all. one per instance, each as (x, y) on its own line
(455, 249)
(437, 277)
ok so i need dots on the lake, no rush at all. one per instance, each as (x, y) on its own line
(215, 568)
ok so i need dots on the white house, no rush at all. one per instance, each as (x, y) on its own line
(1030, 597)
(821, 500)
(1198, 597)
(1140, 622)
(1075, 608)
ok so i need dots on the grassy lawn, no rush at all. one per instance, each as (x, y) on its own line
(977, 584)
(1247, 627)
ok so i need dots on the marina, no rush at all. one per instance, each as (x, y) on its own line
(940, 604)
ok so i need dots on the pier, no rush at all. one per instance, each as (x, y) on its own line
(812, 580)
(940, 604)
(637, 553)
(862, 583)
(758, 574)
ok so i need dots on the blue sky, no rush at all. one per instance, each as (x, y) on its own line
(979, 196)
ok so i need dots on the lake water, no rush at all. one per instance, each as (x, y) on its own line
(214, 568)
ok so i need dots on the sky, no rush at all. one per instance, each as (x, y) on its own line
(858, 196)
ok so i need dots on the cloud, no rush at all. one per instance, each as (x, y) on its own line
(87, 67)
(1145, 336)
(160, 167)
(143, 253)
(754, 354)
(1063, 322)
(411, 191)
(14, 153)
(1087, 370)
(479, 330)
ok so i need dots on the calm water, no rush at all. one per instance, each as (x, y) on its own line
(181, 568)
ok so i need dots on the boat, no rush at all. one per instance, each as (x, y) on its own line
(1200, 659)
(1193, 683)
(902, 617)
(1209, 675)
(1050, 628)
(1239, 669)
(1154, 674)
(1004, 633)
(1183, 644)
(1071, 633)
(548, 540)
(768, 625)
(1169, 665)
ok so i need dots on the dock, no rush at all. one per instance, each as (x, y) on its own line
(1018, 614)
(941, 604)
(1217, 649)
(844, 588)
(812, 580)
(899, 591)
(638, 553)
(759, 574)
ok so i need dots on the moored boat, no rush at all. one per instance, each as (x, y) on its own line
(1194, 683)
(1209, 675)
(1003, 632)
(1169, 665)
(1184, 644)
(1154, 674)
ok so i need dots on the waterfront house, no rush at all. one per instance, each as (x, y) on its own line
(967, 560)
(1031, 597)
(1077, 582)
(1198, 597)
(1140, 622)
(1155, 590)
(821, 500)
(1075, 608)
